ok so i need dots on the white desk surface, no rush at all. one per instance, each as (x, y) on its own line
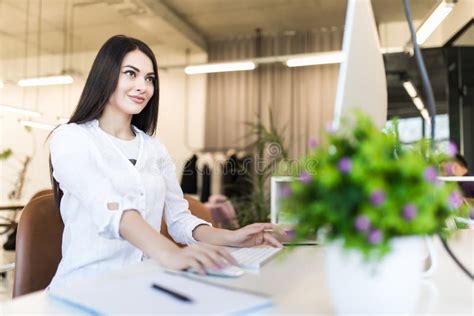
(296, 283)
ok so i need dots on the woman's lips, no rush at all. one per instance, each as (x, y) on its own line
(137, 99)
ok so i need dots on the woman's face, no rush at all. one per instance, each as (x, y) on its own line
(135, 85)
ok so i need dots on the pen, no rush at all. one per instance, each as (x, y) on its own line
(172, 293)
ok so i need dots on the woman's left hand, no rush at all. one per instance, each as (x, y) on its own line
(254, 235)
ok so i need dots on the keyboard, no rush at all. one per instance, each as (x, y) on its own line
(253, 258)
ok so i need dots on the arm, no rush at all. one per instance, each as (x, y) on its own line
(248, 236)
(139, 233)
(76, 169)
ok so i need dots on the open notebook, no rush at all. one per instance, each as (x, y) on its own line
(134, 294)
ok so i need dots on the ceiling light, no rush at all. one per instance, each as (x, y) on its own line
(21, 111)
(433, 21)
(223, 67)
(418, 103)
(46, 81)
(410, 89)
(317, 59)
(33, 124)
(425, 114)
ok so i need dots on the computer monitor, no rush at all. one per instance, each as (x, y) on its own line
(277, 187)
(361, 82)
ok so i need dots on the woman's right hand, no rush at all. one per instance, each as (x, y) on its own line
(197, 257)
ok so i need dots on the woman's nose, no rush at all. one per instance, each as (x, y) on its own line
(140, 84)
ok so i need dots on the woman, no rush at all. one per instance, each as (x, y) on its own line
(117, 180)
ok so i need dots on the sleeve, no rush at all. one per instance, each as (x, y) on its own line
(179, 219)
(79, 175)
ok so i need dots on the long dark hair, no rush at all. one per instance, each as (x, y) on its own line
(101, 84)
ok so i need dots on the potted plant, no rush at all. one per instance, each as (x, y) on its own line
(374, 200)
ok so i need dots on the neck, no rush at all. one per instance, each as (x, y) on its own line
(117, 124)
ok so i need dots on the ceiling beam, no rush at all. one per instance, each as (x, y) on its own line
(180, 24)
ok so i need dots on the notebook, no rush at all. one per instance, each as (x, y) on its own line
(135, 294)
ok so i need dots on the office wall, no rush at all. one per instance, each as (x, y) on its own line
(59, 101)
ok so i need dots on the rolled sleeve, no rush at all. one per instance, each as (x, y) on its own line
(79, 175)
(179, 219)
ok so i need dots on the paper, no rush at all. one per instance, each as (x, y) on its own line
(134, 294)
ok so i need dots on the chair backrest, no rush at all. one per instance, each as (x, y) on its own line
(41, 193)
(38, 245)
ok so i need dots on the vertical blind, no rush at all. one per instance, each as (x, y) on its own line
(301, 99)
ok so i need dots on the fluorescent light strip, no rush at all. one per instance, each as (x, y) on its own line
(333, 57)
(418, 103)
(33, 124)
(46, 81)
(223, 67)
(21, 111)
(425, 114)
(410, 89)
(433, 21)
(317, 59)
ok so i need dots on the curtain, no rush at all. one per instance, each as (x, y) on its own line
(301, 99)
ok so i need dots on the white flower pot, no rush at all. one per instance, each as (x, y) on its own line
(391, 285)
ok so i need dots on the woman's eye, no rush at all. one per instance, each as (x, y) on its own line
(150, 79)
(130, 73)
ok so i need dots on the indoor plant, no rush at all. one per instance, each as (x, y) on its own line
(374, 200)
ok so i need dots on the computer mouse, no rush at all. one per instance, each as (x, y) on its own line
(227, 272)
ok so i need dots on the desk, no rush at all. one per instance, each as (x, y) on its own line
(11, 207)
(296, 283)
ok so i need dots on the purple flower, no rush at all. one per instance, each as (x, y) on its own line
(448, 168)
(451, 149)
(286, 191)
(313, 143)
(305, 177)
(409, 211)
(375, 237)
(377, 198)
(455, 199)
(362, 223)
(430, 174)
(345, 165)
(471, 215)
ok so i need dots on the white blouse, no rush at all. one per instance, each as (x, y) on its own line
(99, 183)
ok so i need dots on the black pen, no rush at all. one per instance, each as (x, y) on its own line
(174, 294)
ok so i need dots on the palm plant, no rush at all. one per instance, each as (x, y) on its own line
(268, 151)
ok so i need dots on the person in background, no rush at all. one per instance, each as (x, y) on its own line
(458, 167)
(113, 181)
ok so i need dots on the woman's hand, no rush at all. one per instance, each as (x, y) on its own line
(198, 257)
(254, 235)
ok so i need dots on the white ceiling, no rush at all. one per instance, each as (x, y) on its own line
(69, 26)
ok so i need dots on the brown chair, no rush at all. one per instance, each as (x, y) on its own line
(39, 237)
(38, 245)
(41, 193)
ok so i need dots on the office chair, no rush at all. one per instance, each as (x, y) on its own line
(10, 244)
(38, 245)
(39, 238)
(41, 193)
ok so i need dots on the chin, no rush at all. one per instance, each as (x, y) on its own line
(134, 109)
